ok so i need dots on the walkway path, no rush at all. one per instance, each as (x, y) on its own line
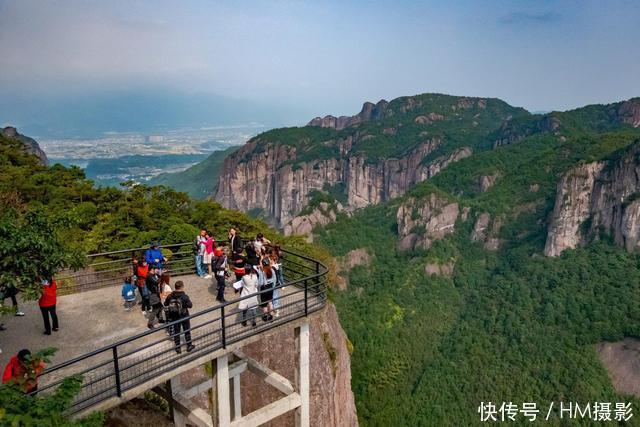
(90, 320)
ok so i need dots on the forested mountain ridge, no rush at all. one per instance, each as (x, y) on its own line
(446, 293)
(454, 303)
(385, 149)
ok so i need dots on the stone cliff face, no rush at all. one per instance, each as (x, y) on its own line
(594, 197)
(628, 112)
(421, 221)
(30, 144)
(267, 181)
(332, 401)
(487, 230)
(368, 113)
(304, 224)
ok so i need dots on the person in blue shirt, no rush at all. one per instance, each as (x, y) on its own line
(153, 256)
(129, 293)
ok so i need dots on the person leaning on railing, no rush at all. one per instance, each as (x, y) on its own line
(274, 260)
(153, 255)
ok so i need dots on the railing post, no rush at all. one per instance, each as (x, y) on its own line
(116, 369)
(306, 297)
(224, 331)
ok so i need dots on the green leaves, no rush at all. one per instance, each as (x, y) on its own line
(32, 250)
(44, 409)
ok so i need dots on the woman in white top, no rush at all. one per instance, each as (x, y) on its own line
(249, 290)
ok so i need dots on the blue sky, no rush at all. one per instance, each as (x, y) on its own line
(327, 56)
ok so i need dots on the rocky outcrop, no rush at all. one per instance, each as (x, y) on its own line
(30, 144)
(597, 197)
(513, 131)
(267, 179)
(304, 224)
(427, 119)
(422, 221)
(439, 269)
(354, 258)
(485, 230)
(332, 402)
(485, 182)
(572, 208)
(622, 363)
(628, 112)
(369, 112)
(439, 163)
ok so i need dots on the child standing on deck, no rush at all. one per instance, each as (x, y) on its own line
(129, 293)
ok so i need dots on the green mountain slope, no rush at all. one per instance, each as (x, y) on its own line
(406, 122)
(503, 325)
(200, 180)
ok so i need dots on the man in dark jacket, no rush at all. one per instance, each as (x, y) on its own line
(178, 304)
(235, 241)
(219, 266)
(153, 285)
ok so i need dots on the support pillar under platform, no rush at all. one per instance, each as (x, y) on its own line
(227, 396)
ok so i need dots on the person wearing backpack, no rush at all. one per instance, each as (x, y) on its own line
(177, 306)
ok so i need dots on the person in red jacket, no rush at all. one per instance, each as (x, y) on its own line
(47, 305)
(23, 371)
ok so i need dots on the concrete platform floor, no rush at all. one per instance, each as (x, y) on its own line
(90, 320)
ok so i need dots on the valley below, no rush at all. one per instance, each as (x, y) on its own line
(120, 157)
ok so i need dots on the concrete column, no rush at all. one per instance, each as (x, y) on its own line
(302, 375)
(236, 412)
(179, 420)
(222, 377)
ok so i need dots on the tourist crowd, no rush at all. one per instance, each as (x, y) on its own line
(253, 268)
(256, 267)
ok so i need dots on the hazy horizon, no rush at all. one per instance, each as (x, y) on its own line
(303, 59)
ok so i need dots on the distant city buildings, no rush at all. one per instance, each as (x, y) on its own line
(154, 138)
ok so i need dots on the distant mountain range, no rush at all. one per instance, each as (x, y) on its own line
(200, 180)
(92, 114)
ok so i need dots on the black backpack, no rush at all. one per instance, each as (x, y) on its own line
(175, 307)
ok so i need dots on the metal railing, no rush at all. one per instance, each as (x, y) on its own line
(112, 370)
(108, 268)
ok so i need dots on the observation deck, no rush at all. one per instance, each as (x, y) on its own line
(119, 358)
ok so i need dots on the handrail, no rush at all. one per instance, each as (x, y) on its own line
(129, 362)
